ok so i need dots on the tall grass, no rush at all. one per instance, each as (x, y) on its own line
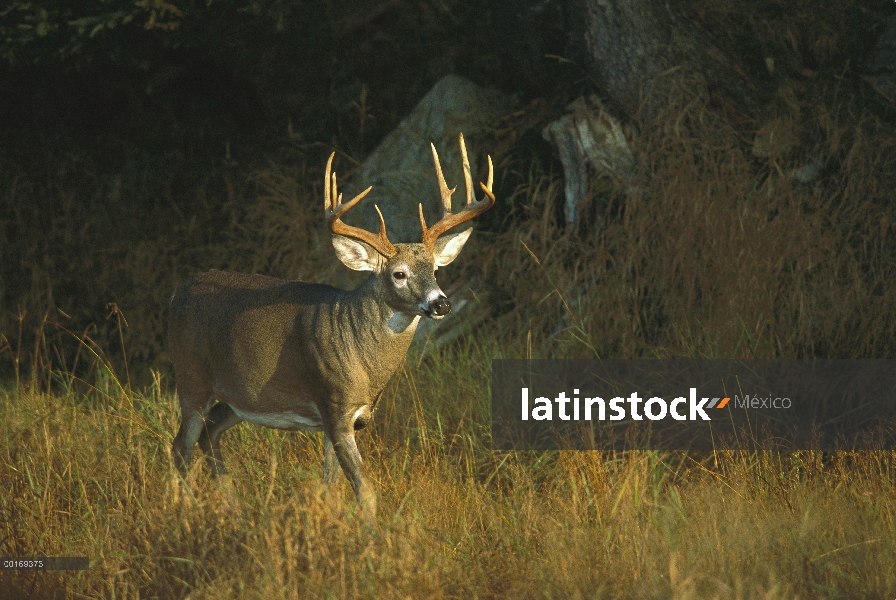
(714, 255)
(715, 252)
(707, 259)
(92, 475)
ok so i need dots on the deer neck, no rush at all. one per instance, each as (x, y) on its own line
(380, 329)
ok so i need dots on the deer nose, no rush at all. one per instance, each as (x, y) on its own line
(441, 306)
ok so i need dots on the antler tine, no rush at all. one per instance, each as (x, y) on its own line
(443, 187)
(470, 211)
(334, 209)
(327, 207)
(491, 174)
(468, 179)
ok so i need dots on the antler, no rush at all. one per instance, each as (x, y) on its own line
(334, 209)
(470, 211)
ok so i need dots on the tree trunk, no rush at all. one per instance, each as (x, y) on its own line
(643, 52)
(649, 61)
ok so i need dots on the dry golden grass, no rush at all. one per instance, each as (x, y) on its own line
(91, 475)
(711, 257)
(717, 252)
(708, 260)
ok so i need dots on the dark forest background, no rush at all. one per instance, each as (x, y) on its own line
(141, 142)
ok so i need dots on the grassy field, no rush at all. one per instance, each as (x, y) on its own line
(86, 470)
(717, 252)
(91, 475)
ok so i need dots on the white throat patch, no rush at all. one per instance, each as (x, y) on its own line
(399, 322)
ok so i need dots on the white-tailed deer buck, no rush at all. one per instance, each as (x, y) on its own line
(293, 355)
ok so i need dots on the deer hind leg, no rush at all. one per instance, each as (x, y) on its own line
(220, 419)
(195, 400)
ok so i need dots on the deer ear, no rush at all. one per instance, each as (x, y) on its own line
(449, 246)
(357, 255)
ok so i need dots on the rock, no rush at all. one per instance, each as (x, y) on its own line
(401, 169)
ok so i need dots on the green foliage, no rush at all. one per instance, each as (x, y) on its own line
(37, 31)
(124, 31)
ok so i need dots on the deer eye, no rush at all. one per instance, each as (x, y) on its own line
(399, 275)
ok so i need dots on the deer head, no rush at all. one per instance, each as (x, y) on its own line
(406, 272)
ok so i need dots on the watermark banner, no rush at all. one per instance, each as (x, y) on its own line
(694, 404)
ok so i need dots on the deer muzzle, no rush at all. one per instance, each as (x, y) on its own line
(440, 307)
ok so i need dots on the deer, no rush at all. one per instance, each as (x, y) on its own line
(293, 355)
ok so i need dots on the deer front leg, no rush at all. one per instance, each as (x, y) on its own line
(346, 451)
(331, 463)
